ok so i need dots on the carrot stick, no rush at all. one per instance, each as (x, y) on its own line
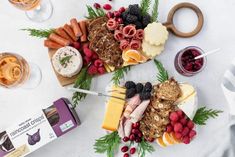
(76, 29)
(70, 32)
(56, 38)
(61, 32)
(52, 44)
(84, 31)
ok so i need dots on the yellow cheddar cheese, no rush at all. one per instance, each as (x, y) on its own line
(113, 114)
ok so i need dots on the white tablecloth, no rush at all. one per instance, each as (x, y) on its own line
(211, 140)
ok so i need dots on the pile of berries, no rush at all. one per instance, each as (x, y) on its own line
(139, 88)
(181, 126)
(116, 15)
(96, 66)
(135, 136)
(133, 15)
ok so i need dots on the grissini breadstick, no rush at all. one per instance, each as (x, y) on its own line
(84, 31)
(76, 28)
(56, 38)
(70, 32)
(52, 44)
(61, 32)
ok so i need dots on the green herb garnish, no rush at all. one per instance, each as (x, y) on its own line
(155, 11)
(94, 13)
(108, 144)
(144, 147)
(119, 74)
(144, 6)
(65, 60)
(203, 114)
(40, 33)
(83, 81)
(162, 75)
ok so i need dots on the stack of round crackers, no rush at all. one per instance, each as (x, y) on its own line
(155, 36)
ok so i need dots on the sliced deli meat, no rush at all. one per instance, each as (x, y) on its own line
(67, 61)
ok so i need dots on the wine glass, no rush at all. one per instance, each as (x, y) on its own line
(36, 10)
(15, 71)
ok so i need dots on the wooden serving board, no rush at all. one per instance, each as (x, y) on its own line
(64, 81)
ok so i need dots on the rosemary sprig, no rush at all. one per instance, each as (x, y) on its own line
(83, 81)
(144, 147)
(203, 114)
(108, 144)
(94, 13)
(162, 75)
(65, 60)
(119, 74)
(144, 6)
(155, 11)
(40, 33)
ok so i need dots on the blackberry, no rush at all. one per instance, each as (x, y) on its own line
(134, 9)
(138, 25)
(130, 92)
(124, 15)
(130, 84)
(139, 87)
(146, 20)
(148, 87)
(131, 18)
(145, 96)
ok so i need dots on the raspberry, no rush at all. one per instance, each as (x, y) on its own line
(173, 123)
(101, 70)
(178, 127)
(180, 113)
(116, 14)
(94, 56)
(185, 131)
(107, 7)
(109, 15)
(86, 60)
(183, 121)
(98, 63)
(178, 135)
(186, 140)
(192, 133)
(190, 124)
(122, 9)
(169, 128)
(97, 5)
(174, 116)
(76, 45)
(92, 70)
(87, 52)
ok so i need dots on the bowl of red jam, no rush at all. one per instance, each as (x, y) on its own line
(185, 62)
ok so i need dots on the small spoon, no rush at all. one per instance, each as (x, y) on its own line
(208, 53)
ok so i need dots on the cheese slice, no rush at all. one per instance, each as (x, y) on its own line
(120, 89)
(113, 114)
(188, 102)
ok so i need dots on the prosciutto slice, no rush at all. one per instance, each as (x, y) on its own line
(124, 44)
(112, 24)
(137, 114)
(129, 31)
(118, 35)
(131, 105)
(121, 132)
(135, 44)
(139, 34)
(127, 127)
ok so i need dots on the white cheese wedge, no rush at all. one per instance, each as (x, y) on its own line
(72, 66)
(188, 102)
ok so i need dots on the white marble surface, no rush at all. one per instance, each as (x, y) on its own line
(217, 32)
